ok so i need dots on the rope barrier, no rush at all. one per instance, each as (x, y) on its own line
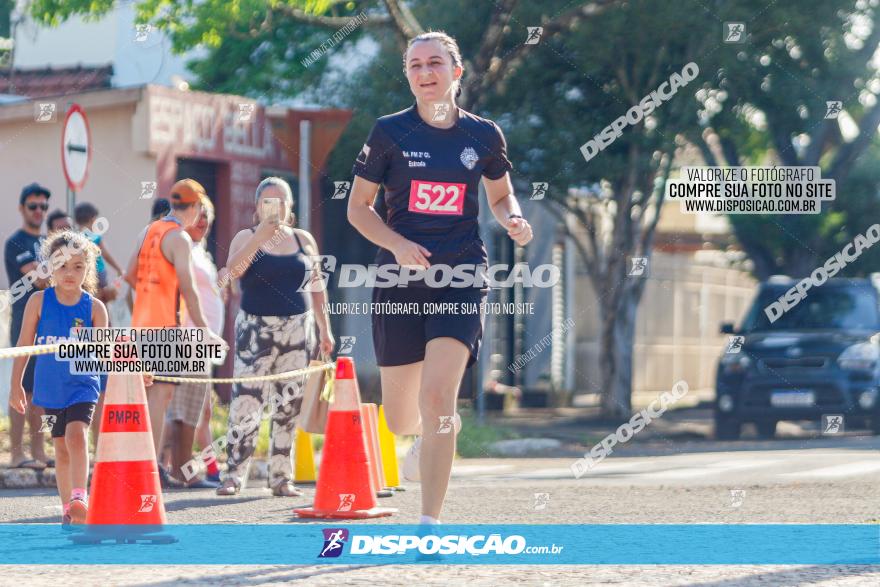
(305, 371)
(26, 351)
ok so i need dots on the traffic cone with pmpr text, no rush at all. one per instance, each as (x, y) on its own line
(126, 497)
(345, 489)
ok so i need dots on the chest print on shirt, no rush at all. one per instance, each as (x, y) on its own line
(416, 155)
(469, 157)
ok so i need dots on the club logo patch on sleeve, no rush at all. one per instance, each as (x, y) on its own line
(364, 154)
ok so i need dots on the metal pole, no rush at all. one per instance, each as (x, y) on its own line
(305, 174)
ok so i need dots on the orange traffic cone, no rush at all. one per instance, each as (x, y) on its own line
(370, 418)
(126, 498)
(345, 487)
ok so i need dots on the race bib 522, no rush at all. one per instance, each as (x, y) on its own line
(433, 197)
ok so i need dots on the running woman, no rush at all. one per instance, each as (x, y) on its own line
(68, 400)
(430, 159)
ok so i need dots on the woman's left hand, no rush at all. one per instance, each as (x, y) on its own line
(519, 230)
(328, 343)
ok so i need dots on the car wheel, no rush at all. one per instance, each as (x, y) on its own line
(726, 429)
(766, 429)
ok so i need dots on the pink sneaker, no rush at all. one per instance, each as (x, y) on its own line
(78, 511)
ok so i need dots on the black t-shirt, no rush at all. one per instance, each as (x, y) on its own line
(431, 178)
(21, 248)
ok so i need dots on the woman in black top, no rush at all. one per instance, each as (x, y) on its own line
(430, 159)
(274, 332)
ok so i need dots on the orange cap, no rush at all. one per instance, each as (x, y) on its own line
(188, 191)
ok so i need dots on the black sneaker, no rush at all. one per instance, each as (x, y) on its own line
(167, 481)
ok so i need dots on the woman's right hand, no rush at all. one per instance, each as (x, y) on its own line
(17, 399)
(266, 229)
(410, 254)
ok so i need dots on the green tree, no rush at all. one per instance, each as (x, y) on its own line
(594, 61)
(767, 103)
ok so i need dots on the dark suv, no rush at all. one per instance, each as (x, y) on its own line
(819, 358)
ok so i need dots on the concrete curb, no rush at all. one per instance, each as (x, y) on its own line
(24, 478)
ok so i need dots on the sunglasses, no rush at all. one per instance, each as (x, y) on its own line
(42, 207)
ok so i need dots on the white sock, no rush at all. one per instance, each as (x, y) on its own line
(428, 520)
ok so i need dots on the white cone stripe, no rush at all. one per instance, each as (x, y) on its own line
(125, 389)
(345, 396)
(115, 447)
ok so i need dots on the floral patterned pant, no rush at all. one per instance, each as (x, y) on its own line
(265, 345)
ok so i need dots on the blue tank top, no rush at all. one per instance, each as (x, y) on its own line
(270, 286)
(54, 385)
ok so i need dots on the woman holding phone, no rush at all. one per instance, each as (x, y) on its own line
(274, 332)
(431, 159)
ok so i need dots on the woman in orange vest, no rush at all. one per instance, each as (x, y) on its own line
(161, 274)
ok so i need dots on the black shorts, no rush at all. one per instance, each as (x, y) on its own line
(81, 412)
(400, 337)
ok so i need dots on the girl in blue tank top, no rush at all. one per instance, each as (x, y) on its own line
(68, 400)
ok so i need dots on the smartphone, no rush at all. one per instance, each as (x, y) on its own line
(270, 208)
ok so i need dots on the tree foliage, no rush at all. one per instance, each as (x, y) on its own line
(758, 102)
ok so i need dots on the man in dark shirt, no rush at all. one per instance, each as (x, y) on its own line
(22, 254)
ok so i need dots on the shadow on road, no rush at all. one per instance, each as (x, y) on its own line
(793, 576)
(205, 502)
(257, 576)
(44, 520)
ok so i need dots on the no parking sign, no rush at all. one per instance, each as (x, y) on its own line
(76, 148)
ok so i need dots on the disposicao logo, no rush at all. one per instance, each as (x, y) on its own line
(334, 541)
(432, 544)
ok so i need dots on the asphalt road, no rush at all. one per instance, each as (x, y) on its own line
(797, 481)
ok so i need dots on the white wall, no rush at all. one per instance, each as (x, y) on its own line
(72, 43)
(110, 40)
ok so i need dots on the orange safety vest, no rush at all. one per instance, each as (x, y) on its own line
(157, 301)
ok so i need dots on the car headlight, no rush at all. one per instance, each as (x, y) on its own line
(859, 357)
(867, 399)
(725, 403)
(732, 363)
